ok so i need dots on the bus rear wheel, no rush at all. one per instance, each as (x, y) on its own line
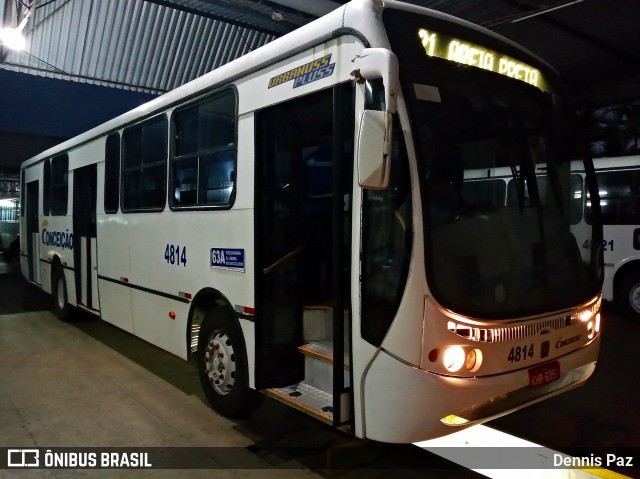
(627, 296)
(223, 367)
(61, 306)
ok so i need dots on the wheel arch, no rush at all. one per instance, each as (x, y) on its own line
(56, 266)
(622, 272)
(204, 302)
(61, 305)
(56, 262)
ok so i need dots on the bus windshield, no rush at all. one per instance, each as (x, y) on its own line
(488, 255)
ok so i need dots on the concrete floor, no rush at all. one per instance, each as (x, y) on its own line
(61, 387)
(86, 383)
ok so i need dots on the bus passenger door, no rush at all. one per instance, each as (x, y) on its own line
(304, 158)
(84, 237)
(33, 235)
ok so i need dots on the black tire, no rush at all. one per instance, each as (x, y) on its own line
(225, 379)
(61, 306)
(627, 295)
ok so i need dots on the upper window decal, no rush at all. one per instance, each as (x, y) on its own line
(307, 73)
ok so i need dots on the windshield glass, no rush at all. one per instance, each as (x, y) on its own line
(506, 247)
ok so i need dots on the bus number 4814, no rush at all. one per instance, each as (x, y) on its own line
(175, 255)
(520, 353)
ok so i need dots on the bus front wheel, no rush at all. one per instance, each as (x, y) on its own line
(628, 295)
(61, 306)
(223, 367)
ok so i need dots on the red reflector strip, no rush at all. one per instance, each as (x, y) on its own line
(123, 279)
(245, 310)
(184, 295)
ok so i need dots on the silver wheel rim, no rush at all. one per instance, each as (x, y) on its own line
(220, 363)
(634, 297)
(60, 295)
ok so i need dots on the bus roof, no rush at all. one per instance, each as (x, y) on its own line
(351, 18)
(617, 162)
(504, 172)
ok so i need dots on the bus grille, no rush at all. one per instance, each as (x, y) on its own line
(510, 333)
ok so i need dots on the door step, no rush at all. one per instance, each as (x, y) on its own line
(322, 351)
(305, 398)
(318, 365)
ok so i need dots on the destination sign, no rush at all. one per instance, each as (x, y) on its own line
(453, 49)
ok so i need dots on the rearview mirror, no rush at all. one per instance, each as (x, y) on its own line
(374, 63)
(374, 135)
(372, 152)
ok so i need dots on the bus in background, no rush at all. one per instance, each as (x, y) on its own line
(619, 192)
(292, 219)
(9, 222)
(9, 215)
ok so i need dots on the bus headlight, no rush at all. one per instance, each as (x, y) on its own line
(474, 360)
(586, 315)
(590, 316)
(454, 358)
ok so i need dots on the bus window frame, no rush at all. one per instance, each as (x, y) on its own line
(209, 95)
(111, 182)
(55, 188)
(140, 125)
(633, 197)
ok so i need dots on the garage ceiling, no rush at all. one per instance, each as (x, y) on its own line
(156, 45)
(86, 61)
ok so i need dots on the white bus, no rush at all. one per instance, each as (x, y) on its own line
(280, 219)
(619, 193)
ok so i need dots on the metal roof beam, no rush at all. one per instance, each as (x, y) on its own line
(254, 7)
(220, 18)
(577, 33)
(317, 8)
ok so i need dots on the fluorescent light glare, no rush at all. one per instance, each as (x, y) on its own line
(12, 38)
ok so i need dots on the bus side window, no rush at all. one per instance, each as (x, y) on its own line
(59, 186)
(112, 174)
(387, 243)
(619, 198)
(144, 166)
(46, 188)
(204, 156)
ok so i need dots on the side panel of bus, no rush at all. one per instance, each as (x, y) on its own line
(619, 186)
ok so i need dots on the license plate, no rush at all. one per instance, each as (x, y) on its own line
(544, 374)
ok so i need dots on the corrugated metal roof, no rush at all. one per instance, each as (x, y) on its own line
(157, 45)
(131, 44)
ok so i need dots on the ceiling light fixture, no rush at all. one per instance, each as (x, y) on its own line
(12, 37)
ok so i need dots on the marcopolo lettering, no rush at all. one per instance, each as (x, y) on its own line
(60, 239)
(566, 342)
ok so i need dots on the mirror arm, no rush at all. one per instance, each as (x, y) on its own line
(374, 63)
